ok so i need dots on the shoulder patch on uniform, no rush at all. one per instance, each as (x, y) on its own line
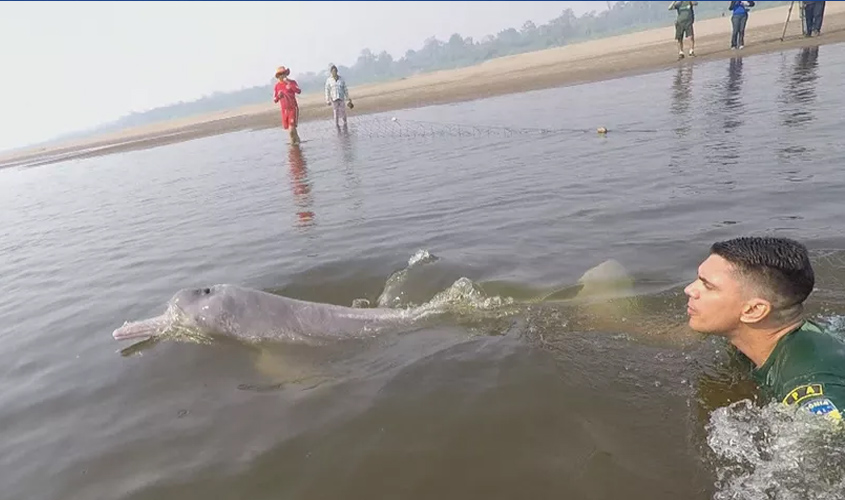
(803, 392)
(822, 406)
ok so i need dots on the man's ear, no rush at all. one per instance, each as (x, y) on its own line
(755, 310)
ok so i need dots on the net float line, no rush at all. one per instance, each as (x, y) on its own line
(382, 127)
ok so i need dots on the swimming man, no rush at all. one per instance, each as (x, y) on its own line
(751, 290)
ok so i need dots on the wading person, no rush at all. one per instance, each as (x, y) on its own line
(683, 25)
(285, 94)
(751, 290)
(739, 19)
(337, 96)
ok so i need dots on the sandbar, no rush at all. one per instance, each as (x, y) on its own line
(595, 60)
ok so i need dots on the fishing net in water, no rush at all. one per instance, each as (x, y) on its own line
(828, 297)
(829, 267)
(393, 127)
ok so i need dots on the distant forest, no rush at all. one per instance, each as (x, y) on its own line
(457, 51)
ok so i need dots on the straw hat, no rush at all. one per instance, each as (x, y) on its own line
(282, 71)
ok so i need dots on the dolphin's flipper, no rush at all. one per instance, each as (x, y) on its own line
(604, 300)
(561, 294)
(606, 280)
(279, 370)
(310, 383)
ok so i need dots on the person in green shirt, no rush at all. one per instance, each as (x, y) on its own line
(683, 25)
(751, 290)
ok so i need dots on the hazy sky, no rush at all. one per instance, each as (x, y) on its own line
(72, 65)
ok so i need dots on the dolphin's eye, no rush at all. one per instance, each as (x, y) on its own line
(206, 291)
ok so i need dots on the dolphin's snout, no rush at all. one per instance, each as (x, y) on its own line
(141, 329)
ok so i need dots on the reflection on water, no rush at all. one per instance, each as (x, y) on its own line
(346, 147)
(682, 99)
(797, 105)
(680, 105)
(351, 180)
(733, 113)
(799, 89)
(724, 114)
(732, 96)
(301, 186)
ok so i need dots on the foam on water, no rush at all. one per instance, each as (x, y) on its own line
(775, 452)
(465, 295)
(778, 452)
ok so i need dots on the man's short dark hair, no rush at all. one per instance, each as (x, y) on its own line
(779, 267)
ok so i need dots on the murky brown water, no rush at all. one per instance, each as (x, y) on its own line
(551, 400)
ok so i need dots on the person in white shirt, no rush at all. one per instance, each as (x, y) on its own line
(337, 95)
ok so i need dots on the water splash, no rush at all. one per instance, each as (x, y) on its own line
(776, 452)
(466, 296)
(834, 324)
(393, 295)
(360, 303)
(422, 257)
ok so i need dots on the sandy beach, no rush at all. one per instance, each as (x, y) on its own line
(606, 58)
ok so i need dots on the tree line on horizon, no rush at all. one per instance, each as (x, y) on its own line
(457, 51)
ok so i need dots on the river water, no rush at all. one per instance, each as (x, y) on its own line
(513, 198)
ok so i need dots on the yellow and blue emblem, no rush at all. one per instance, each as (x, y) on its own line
(811, 397)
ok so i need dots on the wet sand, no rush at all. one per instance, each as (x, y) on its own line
(607, 58)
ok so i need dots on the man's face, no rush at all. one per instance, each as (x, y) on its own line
(334, 72)
(716, 298)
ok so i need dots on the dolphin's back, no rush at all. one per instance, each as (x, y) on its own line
(266, 315)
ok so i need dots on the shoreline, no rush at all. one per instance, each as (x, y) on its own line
(596, 60)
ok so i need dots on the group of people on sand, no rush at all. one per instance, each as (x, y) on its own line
(337, 96)
(813, 13)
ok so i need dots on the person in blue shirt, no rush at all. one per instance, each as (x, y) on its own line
(739, 20)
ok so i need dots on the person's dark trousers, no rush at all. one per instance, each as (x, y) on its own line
(809, 10)
(818, 16)
(813, 16)
(738, 35)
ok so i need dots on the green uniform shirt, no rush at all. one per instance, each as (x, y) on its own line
(806, 368)
(685, 12)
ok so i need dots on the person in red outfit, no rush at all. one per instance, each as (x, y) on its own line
(285, 93)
